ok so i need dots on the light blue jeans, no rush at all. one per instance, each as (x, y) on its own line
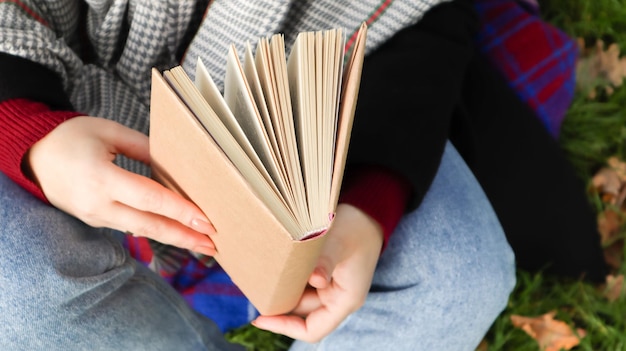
(443, 279)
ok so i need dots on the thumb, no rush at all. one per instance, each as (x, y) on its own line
(339, 243)
(322, 274)
(329, 258)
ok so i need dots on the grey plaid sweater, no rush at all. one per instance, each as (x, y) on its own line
(103, 50)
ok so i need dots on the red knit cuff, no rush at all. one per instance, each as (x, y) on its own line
(378, 192)
(24, 122)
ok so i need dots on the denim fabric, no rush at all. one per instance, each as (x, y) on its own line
(441, 282)
(445, 276)
(66, 286)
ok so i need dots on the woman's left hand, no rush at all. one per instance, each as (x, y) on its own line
(339, 284)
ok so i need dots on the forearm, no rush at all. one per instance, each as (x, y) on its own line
(24, 123)
(32, 103)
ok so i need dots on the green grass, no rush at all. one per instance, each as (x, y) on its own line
(588, 19)
(579, 304)
(258, 340)
(592, 131)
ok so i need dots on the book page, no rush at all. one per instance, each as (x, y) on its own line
(301, 67)
(240, 100)
(209, 91)
(334, 43)
(315, 70)
(254, 85)
(272, 68)
(349, 94)
(284, 124)
(186, 89)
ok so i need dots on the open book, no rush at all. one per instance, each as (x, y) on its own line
(264, 161)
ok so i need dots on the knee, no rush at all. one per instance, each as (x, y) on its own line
(478, 264)
(487, 280)
(48, 257)
(470, 266)
(35, 234)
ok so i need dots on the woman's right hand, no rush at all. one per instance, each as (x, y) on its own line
(74, 167)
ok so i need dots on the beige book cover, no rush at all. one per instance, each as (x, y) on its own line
(263, 242)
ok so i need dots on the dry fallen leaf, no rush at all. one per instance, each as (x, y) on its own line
(600, 67)
(550, 334)
(614, 288)
(612, 65)
(619, 200)
(618, 166)
(609, 224)
(483, 346)
(608, 184)
(614, 254)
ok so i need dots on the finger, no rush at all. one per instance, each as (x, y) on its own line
(147, 195)
(321, 277)
(308, 303)
(126, 141)
(159, 228)
(332, 253)
(313, 328)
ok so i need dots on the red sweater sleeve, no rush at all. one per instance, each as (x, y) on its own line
(378, 192)
(24, 122)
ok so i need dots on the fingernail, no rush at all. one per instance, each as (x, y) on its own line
(205, 250)
(203, 226)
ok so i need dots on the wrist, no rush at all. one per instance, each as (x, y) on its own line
(368, 229)
(380, 193)
(24, 123)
